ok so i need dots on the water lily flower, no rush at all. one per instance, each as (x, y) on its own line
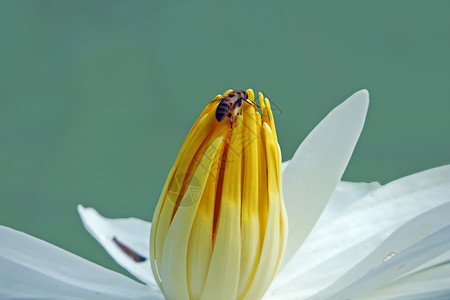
(253, 228)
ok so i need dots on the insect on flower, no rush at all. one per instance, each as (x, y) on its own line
(220, 230)
(230, 105)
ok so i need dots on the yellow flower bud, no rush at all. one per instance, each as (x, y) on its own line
(220, 228)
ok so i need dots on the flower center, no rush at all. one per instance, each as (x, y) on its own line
(220, 228)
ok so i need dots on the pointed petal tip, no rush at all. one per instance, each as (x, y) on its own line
(361, 97)
(356, 106)
(83, 210)
(80, 208)
(363, 91)
(87, 216)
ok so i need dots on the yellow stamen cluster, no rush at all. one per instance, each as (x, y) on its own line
(220, 228)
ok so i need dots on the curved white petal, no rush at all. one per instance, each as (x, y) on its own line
(345, 194)
(33, 269)
(431, 283)
(340, 244)
(444, 258)
(115, 234)
(413, 244)
(317, 166)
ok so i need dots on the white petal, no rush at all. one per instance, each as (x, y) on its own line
(340, 244)
(317, 166)
(411, 245)
(432, 283)
(130, 232)
(33, 269)
(345, 194)
(444, 258)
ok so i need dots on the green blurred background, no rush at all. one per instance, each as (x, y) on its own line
(96, 97)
